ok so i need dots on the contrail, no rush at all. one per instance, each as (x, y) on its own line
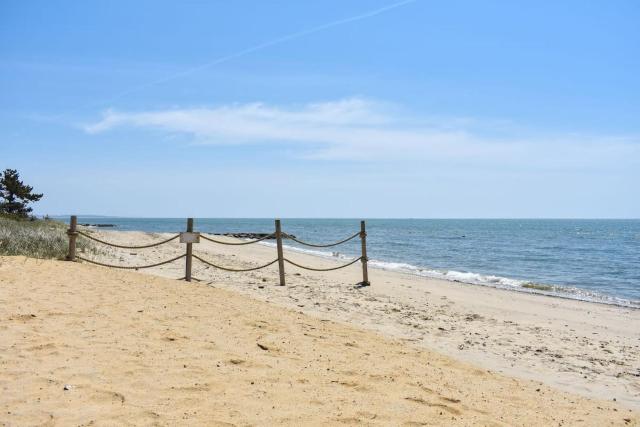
(264, 45)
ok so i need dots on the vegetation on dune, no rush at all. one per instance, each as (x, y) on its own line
(36, 238)
(23, 234)
(15, 195)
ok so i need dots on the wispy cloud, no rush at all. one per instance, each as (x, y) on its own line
(358, 128)
(267, 44)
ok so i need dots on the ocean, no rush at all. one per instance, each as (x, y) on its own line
(592, 260)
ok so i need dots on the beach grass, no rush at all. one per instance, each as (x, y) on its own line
(36, 238)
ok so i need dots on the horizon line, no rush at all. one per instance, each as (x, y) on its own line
(337, 217)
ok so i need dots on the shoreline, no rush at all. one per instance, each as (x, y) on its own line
(486, 279)
(577, 346)
(597, 297)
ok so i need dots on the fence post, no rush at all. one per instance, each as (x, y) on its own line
(280, 254)
(72, 232)
(187, 272)
(364, 259)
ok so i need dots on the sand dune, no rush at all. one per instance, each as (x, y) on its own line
(84, 345)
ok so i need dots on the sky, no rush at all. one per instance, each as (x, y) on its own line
(359, 109)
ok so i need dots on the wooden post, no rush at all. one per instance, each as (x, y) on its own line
(280, 253)
(189, 259)
(364, 259)
(72, 232)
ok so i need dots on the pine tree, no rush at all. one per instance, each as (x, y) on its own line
(15, 195)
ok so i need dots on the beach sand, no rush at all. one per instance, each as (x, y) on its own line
(580, 347)
(86, 345)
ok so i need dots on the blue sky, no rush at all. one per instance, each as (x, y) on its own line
(324, 109)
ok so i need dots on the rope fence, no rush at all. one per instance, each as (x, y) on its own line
(323, 269)
(130, 267)
(189, 238)
(236, 270)
(151, 245)
(220, 242)
(328, 245)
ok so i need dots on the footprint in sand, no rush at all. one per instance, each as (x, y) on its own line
(351, 384)
(107, 396)
(421, 401)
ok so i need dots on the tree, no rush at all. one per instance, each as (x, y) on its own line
(15, 195)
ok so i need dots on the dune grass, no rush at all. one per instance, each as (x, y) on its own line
(36, 238)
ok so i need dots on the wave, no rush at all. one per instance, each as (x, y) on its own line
(471, 278)
(560, 291)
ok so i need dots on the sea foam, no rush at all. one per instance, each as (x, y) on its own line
(478, 279)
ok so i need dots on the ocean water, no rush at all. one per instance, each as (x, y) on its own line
(594, 260)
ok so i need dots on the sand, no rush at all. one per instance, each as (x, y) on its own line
(586, 348)
(85, 345)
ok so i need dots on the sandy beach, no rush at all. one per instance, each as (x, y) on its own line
(451, 183)
(85, 345)
(580, 347)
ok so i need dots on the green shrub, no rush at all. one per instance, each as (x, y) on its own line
(37, 238)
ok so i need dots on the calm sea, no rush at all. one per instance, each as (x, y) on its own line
(596, 260)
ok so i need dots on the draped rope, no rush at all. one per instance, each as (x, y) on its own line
(234, 269)
(328, 245)
(88, 236)
(124, 267)
(323, 269)
(210, 239)
(237, 243)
